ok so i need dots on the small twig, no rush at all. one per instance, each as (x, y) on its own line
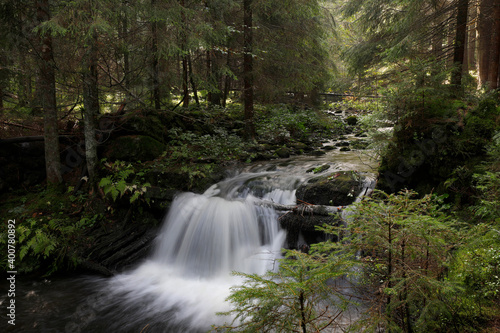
(306, 203)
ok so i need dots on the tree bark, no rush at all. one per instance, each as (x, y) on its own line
(193, 84)
(155, 63)
(248, 70)
(91, 103)
(459, 45)
(227, 81)
(185, 81)
(495, 48)
(185, 72)
(484, 40)
(471, 38)
(47, 83)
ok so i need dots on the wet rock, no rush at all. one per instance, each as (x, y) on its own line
(338, 189)
(120, 244)
(298, 145)
(345, 149)
(283, 152)
(360, 144)
(317, 153)
(305, 226)
(342, 144)
(319, 169)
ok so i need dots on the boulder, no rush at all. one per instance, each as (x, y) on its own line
(283, 152)
(352, 120)
(337, 189)
(317, 153)
(305, 225)
(134, 148)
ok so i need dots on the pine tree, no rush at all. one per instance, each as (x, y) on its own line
(48, 96)
(301, 296)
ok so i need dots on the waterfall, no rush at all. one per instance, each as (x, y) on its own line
(204, 238)
(208, 236)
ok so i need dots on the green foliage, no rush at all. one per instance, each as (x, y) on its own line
(48, 232)
(196, 156)
(117, 185)
(406, 246)
(477, 268)
(298, 297)
(280, 123)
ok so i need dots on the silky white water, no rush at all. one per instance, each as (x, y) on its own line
(204, 239)
(187, 277)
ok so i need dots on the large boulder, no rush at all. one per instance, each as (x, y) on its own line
(134, 148)
(335, 189)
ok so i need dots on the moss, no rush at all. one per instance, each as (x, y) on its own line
(352, 120)
(283, 152)
(134, 148)
(338, 189)
(148, 123)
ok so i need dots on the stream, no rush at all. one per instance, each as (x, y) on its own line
(186, 279)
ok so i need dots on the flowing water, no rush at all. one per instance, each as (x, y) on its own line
(185, 282)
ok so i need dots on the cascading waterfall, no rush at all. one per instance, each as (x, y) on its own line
(204, 238)
(187, 278)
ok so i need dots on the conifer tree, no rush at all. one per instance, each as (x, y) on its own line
(48, 96)
(304, 295)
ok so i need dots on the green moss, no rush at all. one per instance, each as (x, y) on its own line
(352, 120)
(134, 148)
(148, 123)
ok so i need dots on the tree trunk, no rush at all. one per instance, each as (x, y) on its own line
(495, 48)
(1, 96)
(459, 45)
(471, 38)
(227, 81)
(248, 70)
(193, 84)
(185, 74)
(91, 103)
(185, 81)
(209, 73)
(47, 83)
(124, 40)
(154, 66)
(484, 40)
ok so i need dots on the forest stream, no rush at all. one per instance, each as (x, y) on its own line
(184, 282)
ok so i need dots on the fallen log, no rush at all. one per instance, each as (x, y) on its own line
(302, 209)
(23, 139)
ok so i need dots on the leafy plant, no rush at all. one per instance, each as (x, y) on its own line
(116, 184)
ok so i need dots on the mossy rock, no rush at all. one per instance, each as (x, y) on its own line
(298, 145)
(134, 148)
(360, 144)
(338, 189)
(283, 152)
(320, 169)
(317, 153)
(148, 123)
(352, 120)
